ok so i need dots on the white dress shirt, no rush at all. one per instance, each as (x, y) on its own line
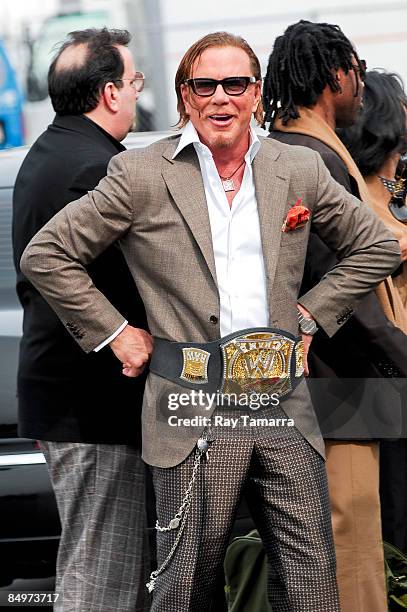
(236, 242)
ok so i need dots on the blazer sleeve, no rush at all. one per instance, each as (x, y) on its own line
(367, 252)
(73, 238)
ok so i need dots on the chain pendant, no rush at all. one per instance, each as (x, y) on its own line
(174, 523)
(228, 185)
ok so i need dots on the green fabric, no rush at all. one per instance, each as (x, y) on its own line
(246, 575)
(396, 577)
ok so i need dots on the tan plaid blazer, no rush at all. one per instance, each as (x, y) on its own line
(156, 207)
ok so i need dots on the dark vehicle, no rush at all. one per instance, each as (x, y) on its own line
(29, 524)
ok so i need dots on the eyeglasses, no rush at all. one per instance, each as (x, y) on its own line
(137, 82)
(232, 86)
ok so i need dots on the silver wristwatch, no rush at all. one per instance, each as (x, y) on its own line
(307, 325)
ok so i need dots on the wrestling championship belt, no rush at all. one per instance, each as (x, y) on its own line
(255, 360)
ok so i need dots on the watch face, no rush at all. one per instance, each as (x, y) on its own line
(308, 326)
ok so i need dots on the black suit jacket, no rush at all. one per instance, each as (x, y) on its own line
(65, 394)
(365, 351)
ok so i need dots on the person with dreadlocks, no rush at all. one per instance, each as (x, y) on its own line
(314, 84)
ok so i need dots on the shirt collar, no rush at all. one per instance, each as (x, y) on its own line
(189, 136)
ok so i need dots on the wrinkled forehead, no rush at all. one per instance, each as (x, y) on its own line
(217, 62)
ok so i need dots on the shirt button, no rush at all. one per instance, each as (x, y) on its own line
(213, 319)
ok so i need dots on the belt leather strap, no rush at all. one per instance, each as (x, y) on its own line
(255, 358)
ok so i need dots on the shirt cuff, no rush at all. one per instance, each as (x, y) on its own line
(112, 337)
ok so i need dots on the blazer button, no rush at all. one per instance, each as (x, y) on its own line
(213, 319)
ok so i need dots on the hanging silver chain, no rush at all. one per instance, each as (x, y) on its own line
(153, 576)
(186, 502)
(179, 519)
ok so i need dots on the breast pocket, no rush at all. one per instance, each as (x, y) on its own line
(295, 239)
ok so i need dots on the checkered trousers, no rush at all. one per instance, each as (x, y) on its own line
(284, 481)
(103, 554)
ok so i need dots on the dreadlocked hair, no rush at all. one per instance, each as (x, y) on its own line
(302, 63)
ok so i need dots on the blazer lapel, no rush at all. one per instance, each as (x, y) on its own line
(271, 181)
(184, 181)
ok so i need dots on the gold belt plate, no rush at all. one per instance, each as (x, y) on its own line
(258, 362)
(195, 365)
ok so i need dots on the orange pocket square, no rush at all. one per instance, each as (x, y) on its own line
(297, 217)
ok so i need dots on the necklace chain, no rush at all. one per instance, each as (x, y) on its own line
(390, 184)
(227, 183)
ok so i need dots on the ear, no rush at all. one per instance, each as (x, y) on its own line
(110, 97)
(339, 74)
(185, 94)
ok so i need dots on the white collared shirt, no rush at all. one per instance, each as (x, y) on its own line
(236, 240)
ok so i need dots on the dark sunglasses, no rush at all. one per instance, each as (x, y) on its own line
(232, 86)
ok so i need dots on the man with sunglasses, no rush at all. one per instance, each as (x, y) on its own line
(81, 408)
(211, 227)
(314, 85)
